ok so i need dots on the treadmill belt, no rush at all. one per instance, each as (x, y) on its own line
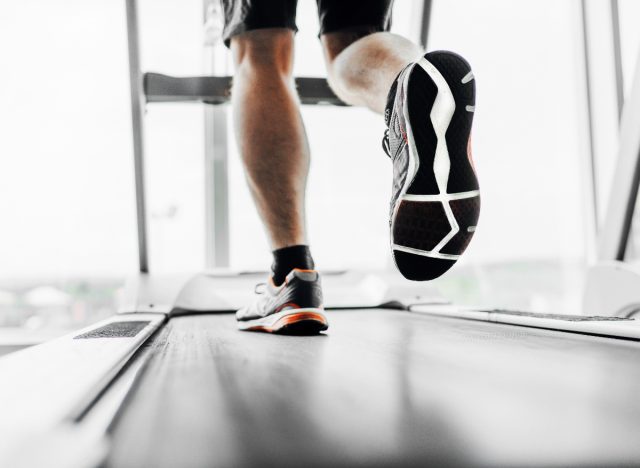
(381, 388)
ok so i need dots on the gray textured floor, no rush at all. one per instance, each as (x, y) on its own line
(381, 388)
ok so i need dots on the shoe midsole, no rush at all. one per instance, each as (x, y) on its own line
(308, 313)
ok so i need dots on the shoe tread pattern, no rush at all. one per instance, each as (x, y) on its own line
(422, 225)
(466, 212)
(453, 68)
(422, 92)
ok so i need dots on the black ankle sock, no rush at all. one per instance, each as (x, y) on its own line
(288, 258)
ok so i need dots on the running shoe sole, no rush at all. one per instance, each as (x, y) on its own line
(436, 214)
(309, 321)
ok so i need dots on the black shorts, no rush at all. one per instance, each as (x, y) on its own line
(335, 15)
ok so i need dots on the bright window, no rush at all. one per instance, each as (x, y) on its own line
(66, 181)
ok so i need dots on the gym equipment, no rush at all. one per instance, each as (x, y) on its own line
(403, 378)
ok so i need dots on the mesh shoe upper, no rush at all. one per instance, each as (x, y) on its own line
(396, 136)
(300, 290)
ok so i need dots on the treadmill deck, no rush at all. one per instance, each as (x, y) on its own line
(382, 387)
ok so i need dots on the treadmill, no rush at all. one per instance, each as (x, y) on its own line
(402, 378)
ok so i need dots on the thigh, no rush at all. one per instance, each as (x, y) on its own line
(366, 16)
(241, 16)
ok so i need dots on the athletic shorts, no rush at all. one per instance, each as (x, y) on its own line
(367, 16)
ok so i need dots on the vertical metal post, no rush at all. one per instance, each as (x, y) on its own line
(589, 117)
(137, 116)
(215, 159)
(216, 187)
(624, 190)
(617, 55)
(425, 21)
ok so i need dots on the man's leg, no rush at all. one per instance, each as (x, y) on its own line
(428, 102)
(362, 67)
(269, 131)
(272, 141)
(274, 149)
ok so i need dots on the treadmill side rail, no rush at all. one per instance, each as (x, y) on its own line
(49, 385)
(589, 325)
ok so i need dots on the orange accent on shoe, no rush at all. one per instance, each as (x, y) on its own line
(291, 319)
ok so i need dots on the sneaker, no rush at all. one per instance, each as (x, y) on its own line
(294, 307)
(435, 202)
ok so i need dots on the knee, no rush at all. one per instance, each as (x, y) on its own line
(263, 51)
(343, 62)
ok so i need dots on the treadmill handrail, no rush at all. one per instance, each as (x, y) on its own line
(217, 89)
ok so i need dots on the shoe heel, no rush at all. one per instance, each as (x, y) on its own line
(425, 245)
